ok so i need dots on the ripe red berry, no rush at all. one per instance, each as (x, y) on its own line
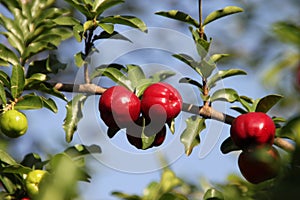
(119, 107)
(259, 164)
(161, 101)
(252, 129)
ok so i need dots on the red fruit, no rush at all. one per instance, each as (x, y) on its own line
(259, 164)
(252, 129)
(119, 107)
(161, 101)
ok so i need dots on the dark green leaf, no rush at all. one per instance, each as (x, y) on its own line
(202, 46)
(135, 74)
(81, 8)
(99, 70)
(29, 102)
(17, 81)
(11, 26)
(37, 47)
(207, 68)
(74, 114)
(8, 56)
(228, 146)
(114, 35)
(229, 10)
(79, 59)
(192, 82)
(4, 79)
(291, 130)
(226, 94)
(238, 109)
(32, 160)
(81, 150)
(125, 20)
(222, 74)
(213, 194)
(2, 95)
(124, 196)
(35, 78)
(180, 16)
(173, 196)
(161, 75)
(191, 135)
(247, 103)
(15, 169)
(189, 61)
(267, 102)
(49, 104)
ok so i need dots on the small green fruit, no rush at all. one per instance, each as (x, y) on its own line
(13, 123)
(34, 180)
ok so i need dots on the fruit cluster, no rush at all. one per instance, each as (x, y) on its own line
(254, 133)
(121, 108)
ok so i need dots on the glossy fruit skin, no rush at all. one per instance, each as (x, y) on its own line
(259, 164)
(167, 98)
(252, 129)
(119, 107)
(13, 123)
(33, 181)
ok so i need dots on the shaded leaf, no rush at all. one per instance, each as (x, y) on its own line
(267, 102)
(4, 79)
(135, 74)
(191, 135)
(32, 160)
(100, 6)
(228, 146)
(124, 196)
(287, 32)
(17, 81)
(82, 150)
(202, 46)
(173, 196)
(229, 10)
(15, 169)
(238, 109)
(81, 8)
(74, 114)
(226, 94)
(192, 82)
(142, 85)
(2, 95)
(114, 35)
(162, 75)
(49, 104)
(125, 20)
(222, 74)
(207, 68)
(189, 61)
(291, 130)
(180, 16)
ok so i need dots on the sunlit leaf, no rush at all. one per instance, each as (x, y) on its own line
(6, 158)
(49, 104)
(79, 59)
(8, 56)
(180, 16)
(229, 10)
(17, 81)
(191, 135)
(100, 6)
(108, 28)
(125, 20)
(267, 102)
(29, 102)
(74, 115)
(217, 57)
(169, 181)
(222, 74)
(226, 94)
(81, 8)
(213, 194)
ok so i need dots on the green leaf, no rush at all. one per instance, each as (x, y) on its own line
(217, 57)
(207, 68)
(2, 95)
(81, 7)
(267, 102)
(29, 102)
(8, 56)
(74, 114)
(88, 25)
(247, 104)
(192, 82)
(78, 32)
(291, 130)
(79, 150)
(169, 181)
(100, 6)
(222, 74)
(238, 109)
(15, 169)
(14, 41)
(229, 10)
(32, 160)
(49, 104)
(226, 94)
(4, 79)
(11, 26)
(173, 196)
(108, 28)
(99, 70)
(142, 85)
(37, 47)
(213, 194)
(228, 146)
(191, 135)
(6, 158)
(202, 46)
(130, 21)
(189, 61)
(135, 74)
(79, 59)
(124, 196)
(114, 35)
(35, 78)
(180, 16)
(17, 81)
(287, 32)
(66, 21)
(161, 75)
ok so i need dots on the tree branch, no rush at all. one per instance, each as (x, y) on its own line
(203, 111)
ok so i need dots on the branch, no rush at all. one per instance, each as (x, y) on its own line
(203, 111)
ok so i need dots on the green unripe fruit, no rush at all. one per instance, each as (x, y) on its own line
(34, 180)
(13, 123)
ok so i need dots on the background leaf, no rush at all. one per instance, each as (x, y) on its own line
(267, 102)
(213, 194)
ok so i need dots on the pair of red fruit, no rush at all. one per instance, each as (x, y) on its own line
(120, 108)
(254, 133)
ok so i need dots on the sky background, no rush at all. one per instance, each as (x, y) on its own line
(121, 167)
